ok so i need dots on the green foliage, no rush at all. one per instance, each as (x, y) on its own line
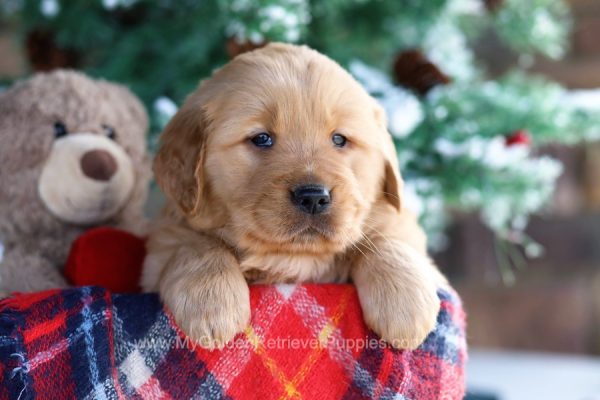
(490, 108)
(460, 145)
(373, 31)
(157, 48)
(534, 26)
(260, 20)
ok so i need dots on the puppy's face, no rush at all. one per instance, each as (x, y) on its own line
(282, 150)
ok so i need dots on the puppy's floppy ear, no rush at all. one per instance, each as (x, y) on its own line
(392, 180)
(178, 166)
(392, 187)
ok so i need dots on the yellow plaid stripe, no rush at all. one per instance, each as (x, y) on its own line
(323, 336)
(291, 386)
(290, 389)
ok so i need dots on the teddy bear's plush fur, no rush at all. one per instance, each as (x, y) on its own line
(72, 156)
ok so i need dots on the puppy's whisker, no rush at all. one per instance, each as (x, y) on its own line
(368, 239)
(377, 231)
(352, 243)
(371, 245)
(347, 239)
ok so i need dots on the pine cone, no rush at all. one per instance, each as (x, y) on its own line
(45, 55)
(414, 71)
(234, 48)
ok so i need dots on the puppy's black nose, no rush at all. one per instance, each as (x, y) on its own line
(311, 199)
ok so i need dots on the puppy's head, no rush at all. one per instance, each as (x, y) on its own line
(281, 149)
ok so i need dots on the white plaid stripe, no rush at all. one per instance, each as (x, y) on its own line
(286, 290)
(403, 363)
(137, 361)
(108, 388)
(90, 352)
(157, 342)
(139, 376)
(135, 369)
(123, 345)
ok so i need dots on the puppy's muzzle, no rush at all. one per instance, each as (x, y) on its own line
(311, 199)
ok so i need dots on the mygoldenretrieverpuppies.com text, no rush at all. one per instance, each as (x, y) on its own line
(278, 343)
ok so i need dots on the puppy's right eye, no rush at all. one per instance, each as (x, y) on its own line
(263, 139)
(60, 129)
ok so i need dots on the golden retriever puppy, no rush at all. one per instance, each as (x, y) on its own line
(279, 168)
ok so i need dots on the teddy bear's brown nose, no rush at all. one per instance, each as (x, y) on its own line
(98, 165)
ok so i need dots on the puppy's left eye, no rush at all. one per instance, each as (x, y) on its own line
(339, 140)
(110, 132)
(263, 139)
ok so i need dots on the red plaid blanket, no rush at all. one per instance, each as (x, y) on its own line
(304, 342)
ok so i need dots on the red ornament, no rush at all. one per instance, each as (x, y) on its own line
(521, 137)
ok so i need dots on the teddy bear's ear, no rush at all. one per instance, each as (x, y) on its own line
(127, 104)
(178, 166)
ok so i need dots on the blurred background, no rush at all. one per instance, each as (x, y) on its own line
(495, 109)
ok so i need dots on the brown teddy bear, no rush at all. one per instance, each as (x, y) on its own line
(72, 156)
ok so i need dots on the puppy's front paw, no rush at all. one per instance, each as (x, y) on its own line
(401, 308)
(210, 310)
(402, 318)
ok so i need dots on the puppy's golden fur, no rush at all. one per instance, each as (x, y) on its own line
(230, 220)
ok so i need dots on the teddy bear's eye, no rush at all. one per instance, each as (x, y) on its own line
(60, 129)
(110, 132)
